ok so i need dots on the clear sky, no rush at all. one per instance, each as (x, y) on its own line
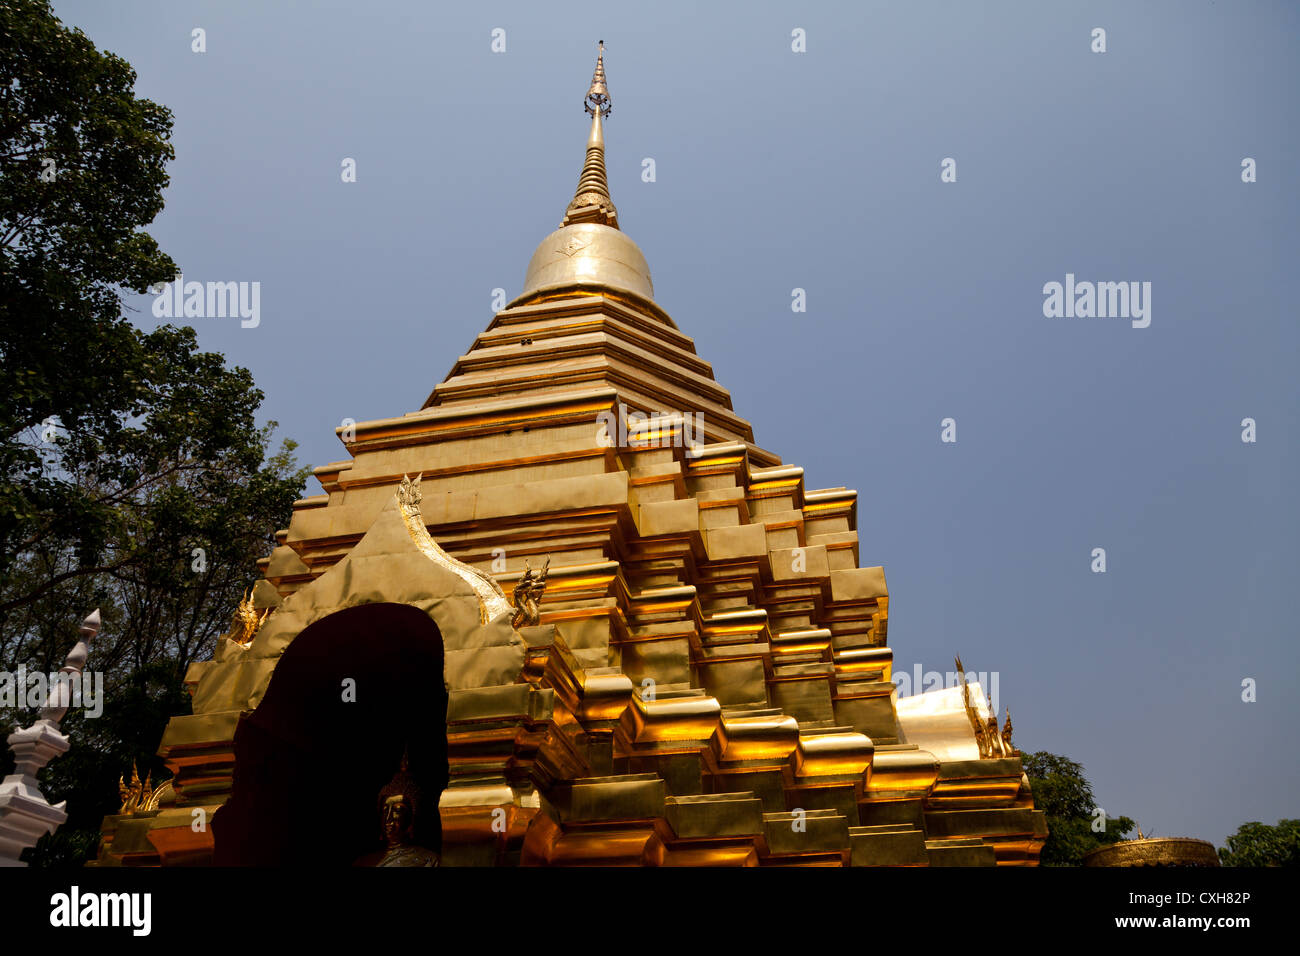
(821, 170)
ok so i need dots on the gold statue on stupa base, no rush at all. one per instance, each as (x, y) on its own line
(399, 806)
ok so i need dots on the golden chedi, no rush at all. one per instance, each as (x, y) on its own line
(694, 669)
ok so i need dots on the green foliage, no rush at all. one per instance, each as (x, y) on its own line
(157, 491)
(1258, 844)
(82, 169)
(1062, 792)
(160, 615)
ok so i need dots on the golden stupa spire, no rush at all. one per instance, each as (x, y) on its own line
(591, 201)
(598, 96)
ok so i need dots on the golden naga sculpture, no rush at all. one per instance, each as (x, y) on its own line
(992, 742)
(1006, 737)
(135, 795)
(977, 725)
(400, 804)
(246, 621)
(492, 600)
(409, 494)
(994, 735)
(528, 597)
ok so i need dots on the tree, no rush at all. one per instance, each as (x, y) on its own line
(1258, 844)
(82, 169)
(112, 439)
(1062, 791)
(160, 615)
(133, 474)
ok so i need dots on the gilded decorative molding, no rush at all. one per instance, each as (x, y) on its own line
(492, 600)
(1155, 851)
(163, 794)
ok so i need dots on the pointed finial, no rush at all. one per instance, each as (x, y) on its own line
(61, 695)
(591, 201)
(90, 626)
(598, 96)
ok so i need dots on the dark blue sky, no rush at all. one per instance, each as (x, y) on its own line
(820, 170)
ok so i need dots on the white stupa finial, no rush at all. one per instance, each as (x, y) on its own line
(25, 814)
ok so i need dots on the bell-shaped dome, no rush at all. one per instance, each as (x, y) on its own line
(588, 254)
(588, 249)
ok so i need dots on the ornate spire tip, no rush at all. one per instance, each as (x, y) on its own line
(597, 99)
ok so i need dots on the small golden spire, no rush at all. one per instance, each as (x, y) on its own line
(591, 201)
(598, 95)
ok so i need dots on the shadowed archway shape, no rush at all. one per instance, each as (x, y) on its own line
(309, 764)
